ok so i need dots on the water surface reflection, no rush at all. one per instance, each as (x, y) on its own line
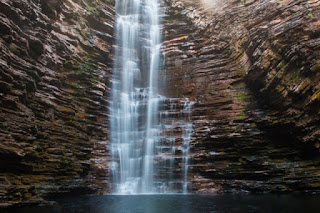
(182, 203)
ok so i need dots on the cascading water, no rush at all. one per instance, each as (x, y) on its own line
(134, 109)
(177, 130)
(186, 137)
(143, 160)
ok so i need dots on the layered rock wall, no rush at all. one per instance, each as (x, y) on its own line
(252, 69)
(55, 67)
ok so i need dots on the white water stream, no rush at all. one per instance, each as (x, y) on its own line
(136, 128)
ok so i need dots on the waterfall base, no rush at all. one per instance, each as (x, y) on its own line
(181, 203)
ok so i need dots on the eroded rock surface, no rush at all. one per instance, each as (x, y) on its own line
(55, 65)
(252, 69)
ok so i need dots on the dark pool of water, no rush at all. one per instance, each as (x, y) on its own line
(181, 203)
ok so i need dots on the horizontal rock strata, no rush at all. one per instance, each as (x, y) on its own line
(252, 69)
(55, 66)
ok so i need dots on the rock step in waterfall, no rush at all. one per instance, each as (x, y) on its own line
(177, 130)
(146, 156)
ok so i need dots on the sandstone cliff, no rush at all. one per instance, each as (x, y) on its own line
(55, 66)
(252, 69)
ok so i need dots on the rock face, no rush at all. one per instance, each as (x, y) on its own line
(252, 69)
(55, 65)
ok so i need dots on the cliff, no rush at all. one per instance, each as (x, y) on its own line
(55, 66)
(252, 69)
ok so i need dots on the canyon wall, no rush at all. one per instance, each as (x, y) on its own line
(55, 65)
(252, 69)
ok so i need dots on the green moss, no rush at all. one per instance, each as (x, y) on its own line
(84, 66)
(241, 97)
(84, 77)
(242, 115)
(282, 66)
(295, 76)
(91, 7)
(170, 21)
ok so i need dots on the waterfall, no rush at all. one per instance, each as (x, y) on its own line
(134, 109)
(143, 161)
(177, 130)
(186, 138)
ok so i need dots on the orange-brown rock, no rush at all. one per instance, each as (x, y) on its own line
(252, 69)
(55, 65)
